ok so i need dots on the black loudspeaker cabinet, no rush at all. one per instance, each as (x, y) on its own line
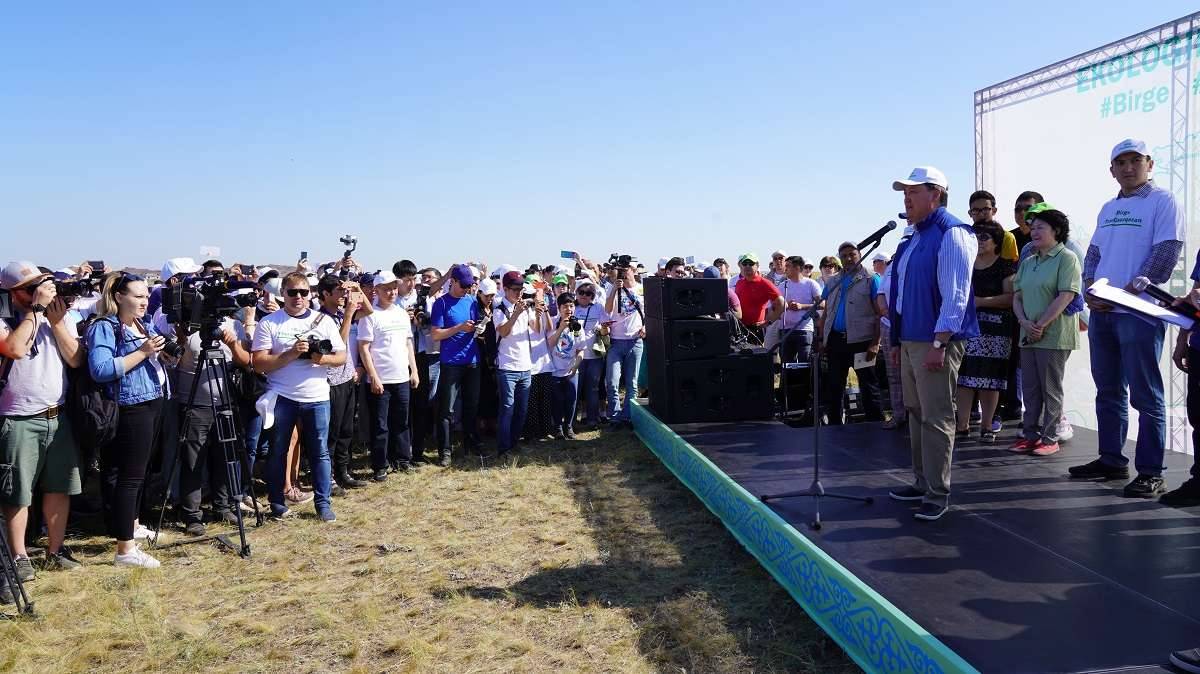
(728, 388)
(687, 338)
(669, 298)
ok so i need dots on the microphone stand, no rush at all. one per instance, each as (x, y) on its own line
(816, 490)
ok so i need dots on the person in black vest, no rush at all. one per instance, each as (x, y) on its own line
(850, 326)
(932, 312)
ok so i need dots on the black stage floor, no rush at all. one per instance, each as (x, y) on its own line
(1029, 571)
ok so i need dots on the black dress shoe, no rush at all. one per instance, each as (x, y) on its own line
(380, 475)
(1098, 470)
(1186, 495)
(1188, 661)
(930, 512)
(350, 482)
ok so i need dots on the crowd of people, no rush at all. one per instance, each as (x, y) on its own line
(968, 326)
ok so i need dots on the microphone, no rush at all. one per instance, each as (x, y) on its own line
(878, 235)
(1143, 285)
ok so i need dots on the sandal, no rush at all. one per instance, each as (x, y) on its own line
(987, 436)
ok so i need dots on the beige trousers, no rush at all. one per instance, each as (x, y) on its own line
(929, 400)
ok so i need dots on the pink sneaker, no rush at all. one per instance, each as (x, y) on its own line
(1021, 446)
(1045, 448)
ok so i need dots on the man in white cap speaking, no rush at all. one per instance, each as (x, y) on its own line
(1140, 232)
(932, 312)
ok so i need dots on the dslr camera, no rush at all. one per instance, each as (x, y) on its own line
(316, 345)
(420, 315)
(84, 287)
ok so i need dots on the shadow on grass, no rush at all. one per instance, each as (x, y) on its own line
(699, 600)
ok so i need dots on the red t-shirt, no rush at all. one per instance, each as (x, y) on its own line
(755, 295)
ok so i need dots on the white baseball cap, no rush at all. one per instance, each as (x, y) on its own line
(20, 274)
(487, 286)
(179, 265)
(384, 277)
(779, 253)
(1129, 145)
(881, 257)
(923, 175)
(500, 271)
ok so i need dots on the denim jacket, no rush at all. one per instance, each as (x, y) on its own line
(108, 343)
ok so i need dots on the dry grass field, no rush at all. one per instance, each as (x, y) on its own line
(580, 557)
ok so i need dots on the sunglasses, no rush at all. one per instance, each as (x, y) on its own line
(748, 263)
(979, 211)
(297, 292)
(126, 279)
(584, 293)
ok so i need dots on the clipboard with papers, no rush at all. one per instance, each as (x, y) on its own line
(1101, 290)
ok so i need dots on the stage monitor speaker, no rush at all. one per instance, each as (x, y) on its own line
(669, 298)
(728, 388)
(687, 338)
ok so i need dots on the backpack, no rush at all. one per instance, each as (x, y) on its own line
(93, 415)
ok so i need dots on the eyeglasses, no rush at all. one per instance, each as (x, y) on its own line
(585, 293)
(297, 292)
(983, 237)
(979, 211)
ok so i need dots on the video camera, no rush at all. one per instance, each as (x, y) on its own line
(318, 346)
(202, 302)
(620, 261)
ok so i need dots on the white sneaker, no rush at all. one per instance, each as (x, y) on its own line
(136, 558)
(1064, 430)
(143, 533)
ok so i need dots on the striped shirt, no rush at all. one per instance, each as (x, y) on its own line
(956, 260)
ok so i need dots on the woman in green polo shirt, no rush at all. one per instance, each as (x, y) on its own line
(1046, 283)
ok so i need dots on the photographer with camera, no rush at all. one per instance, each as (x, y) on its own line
(566, 354)
(123, 354)
(456, 321)
(344, 304)
(515, 320)
(196, 412)
(625, 353)
(385, 345)
(294, 347)
(593, 320)
(37, 444)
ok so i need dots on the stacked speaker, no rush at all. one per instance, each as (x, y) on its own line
(693, 375)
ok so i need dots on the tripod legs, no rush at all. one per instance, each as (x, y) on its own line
(11, 588)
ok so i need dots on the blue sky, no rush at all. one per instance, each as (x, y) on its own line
(498, 131)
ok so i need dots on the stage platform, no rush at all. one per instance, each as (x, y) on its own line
(1028, 572)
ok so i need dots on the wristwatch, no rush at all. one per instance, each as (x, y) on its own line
(938, 344)
(37, 309)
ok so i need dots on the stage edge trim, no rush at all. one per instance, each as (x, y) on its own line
(872, 631)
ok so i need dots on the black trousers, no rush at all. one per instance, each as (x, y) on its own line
(458, 380)
(424, 409)
(840, 356)
(343, 399)
(1193, 405)
(123, 464)
(200, 448)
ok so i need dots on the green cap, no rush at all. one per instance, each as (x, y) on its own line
(532, 278)
(559, 278)
(748, 256)
(1040, 207)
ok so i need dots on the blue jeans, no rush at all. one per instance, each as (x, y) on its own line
(1125, 354)
(390, 442)
(314, 438)
(624, 359)
(564, 396)
(591, 371)
(513, 389)
(258, 445)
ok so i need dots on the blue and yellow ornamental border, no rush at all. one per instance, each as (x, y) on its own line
(876, 634)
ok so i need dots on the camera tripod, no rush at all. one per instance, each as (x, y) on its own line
(12, 590)
(214, 367)
(816, 490)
